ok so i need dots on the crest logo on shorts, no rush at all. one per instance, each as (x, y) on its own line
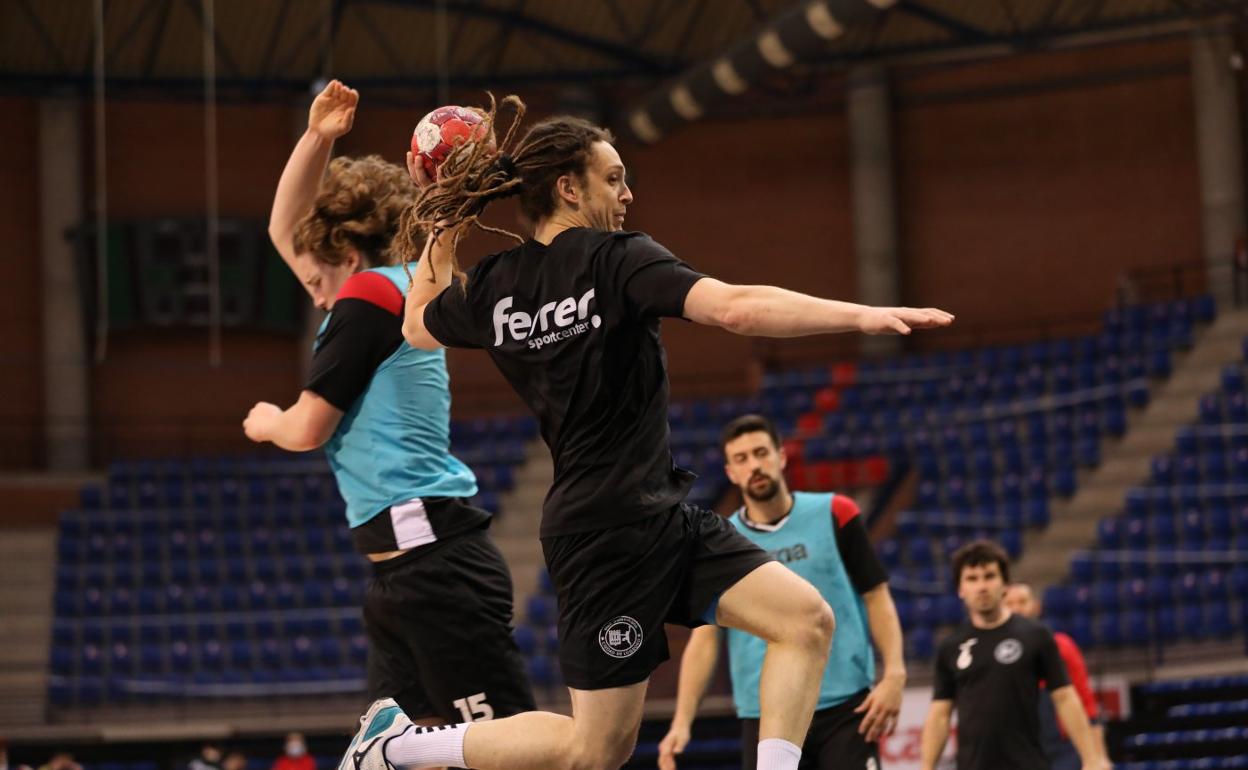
(620, 637)
(1008, 651)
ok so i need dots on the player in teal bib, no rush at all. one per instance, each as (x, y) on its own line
(438, 608)
(822, 538)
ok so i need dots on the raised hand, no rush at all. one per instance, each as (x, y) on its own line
(416, 170)
(333, 110)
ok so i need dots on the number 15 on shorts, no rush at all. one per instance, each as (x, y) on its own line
(474, 708)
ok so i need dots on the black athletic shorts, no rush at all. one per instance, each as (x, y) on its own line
(833, 742)
(617, 587)
(438, 620)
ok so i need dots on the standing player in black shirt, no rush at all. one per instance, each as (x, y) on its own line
(991, 670)
(571, 318)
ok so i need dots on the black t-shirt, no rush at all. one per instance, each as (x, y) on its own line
(993, 677)
(574, 327)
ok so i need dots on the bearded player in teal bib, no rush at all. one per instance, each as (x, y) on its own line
(822, 538)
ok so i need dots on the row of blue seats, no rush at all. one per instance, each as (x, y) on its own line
(1202, 738)
(203, 627)
(207, 544)
(279, 490)
(920, 552)
(299, 652)
(175, 599)
(1190, 710)
(1204, 763)
(252, 575)
(1125, 328)
(1140, 502)
(1190, 587)
(1165, 625)
(77, 523)
(1163, 559)
(1221, 437)
(940, 524)
(1210, 468)
(313, 681)
(954, 494)
(1198, 530)
(985, 465)
(1195, 687)
(487, 448)
(1216, 408)
(944, 410)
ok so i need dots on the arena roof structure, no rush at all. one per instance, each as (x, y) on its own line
(264, 48)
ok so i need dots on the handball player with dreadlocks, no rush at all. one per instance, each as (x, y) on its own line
(571, 317)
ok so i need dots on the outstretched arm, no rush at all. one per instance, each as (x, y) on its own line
(331, 116)
(768, 311)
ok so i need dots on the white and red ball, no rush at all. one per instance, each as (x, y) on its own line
(441, 131)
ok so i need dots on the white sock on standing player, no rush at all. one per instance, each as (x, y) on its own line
(778, 754)
(441, 746)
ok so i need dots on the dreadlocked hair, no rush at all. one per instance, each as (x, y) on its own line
(358, 207)
(477, 173)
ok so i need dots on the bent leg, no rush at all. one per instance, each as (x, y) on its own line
(777, 605)
(600, 735)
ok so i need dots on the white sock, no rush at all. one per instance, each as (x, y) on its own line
(441, 746)
(778, 754)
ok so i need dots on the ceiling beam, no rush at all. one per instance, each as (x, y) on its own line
(961, 30)
(135, 24)
(502, 40)
(42, 33)
(691, 25)
(379, 37)
(223, 53)
(327, 53)
(624, 54)
(158, 37)
(279, 26)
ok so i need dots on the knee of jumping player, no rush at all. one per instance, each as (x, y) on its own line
(606, 752)
(817, 624)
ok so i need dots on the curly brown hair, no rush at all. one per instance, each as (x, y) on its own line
(358, 207)
(477, 173)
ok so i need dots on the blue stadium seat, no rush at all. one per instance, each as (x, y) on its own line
(526, 639)
(541, 609)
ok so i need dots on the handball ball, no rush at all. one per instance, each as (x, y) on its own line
(441, 131)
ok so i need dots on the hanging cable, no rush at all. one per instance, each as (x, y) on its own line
(101, 194)
(212, 245)
(444, 53)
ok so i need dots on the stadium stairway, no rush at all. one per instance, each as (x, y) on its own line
(1073, 526)
(27, 557)
(516, 532)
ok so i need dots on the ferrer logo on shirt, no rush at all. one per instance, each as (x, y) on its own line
(553, 322)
